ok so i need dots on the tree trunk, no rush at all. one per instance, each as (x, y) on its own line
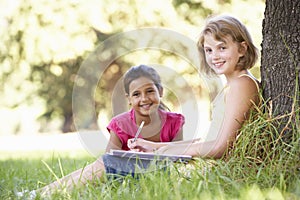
(68, 123)
(280, 60)
(69, 126)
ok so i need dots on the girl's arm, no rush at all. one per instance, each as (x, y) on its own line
(114, 142)
(149, 146)
(237, 105)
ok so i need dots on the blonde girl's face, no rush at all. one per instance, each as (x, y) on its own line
(144, 96)
(222, 56)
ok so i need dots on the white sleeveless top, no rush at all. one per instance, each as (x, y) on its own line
(218, 111)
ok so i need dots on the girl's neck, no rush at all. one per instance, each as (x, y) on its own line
(152, 127)
(150, 119)
(236, 74)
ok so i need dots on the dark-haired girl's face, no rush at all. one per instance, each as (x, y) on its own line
(144, 96)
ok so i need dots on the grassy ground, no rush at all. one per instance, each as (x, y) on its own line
(258, 167)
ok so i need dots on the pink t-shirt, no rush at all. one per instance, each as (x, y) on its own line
(124, 126)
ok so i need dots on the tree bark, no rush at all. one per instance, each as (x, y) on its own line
(68, 123)
(280, 60)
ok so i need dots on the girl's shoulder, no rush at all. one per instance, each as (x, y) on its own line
(243, 87)
(125, 116)
(248, 80)
(171, 115)
(122, 124)
(244, 83)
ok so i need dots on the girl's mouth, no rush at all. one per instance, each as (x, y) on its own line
(219, 64)
(146, 106)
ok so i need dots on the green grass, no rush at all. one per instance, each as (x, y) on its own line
(260, 166)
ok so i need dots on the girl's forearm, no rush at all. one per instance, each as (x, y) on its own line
(184, 148)
(194, 148)
(158, 145)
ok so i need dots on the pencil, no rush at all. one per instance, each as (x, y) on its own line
(138, 131)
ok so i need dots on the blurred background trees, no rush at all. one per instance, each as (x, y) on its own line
(43, 44)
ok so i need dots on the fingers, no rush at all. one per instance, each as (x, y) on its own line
(131, 143)
(139, 145)
(135, 150)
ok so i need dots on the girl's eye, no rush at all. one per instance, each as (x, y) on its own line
(135, 94)
(222, 48)
(207, 50)
(150, 90)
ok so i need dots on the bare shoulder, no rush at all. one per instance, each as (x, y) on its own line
(243, 88)
(245, 84)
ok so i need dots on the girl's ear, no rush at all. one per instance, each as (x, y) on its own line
(243, 48)
(127, 96)
(161, 92)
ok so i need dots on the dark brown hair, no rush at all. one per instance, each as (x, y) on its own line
(136, 72)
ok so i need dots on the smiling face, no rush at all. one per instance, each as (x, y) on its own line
(144, 96)
(223, 56)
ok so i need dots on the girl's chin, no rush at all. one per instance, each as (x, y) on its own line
(218, 71)
(144, 112)
(147, 112)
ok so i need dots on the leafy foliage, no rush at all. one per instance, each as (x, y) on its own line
(45, 45)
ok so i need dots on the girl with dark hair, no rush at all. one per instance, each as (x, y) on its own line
(143, 90)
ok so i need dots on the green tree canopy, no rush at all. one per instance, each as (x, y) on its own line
(45, 42)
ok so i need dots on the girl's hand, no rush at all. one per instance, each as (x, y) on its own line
(140, 145)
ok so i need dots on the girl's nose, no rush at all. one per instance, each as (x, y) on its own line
(144, 96)
(215, 55)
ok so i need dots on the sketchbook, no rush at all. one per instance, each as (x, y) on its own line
(150, 156)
